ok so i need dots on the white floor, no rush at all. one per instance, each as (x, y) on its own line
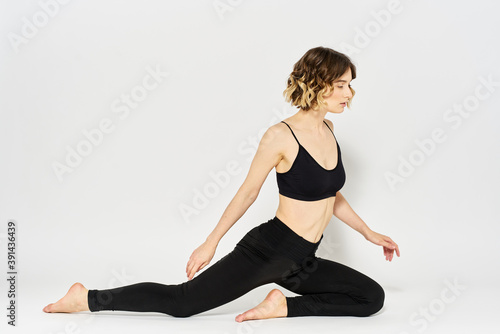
(417, 310)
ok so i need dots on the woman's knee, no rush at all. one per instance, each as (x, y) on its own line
(182, 314)
(375, 300)
(182, 311)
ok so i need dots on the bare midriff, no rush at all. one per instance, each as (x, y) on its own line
(306, 218)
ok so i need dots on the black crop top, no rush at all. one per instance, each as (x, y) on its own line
(306, 180)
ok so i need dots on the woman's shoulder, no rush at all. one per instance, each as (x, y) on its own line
(278, 134)
(330, 123)
(278, 130)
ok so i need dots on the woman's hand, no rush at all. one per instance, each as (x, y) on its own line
(384, 241)
(200, 258)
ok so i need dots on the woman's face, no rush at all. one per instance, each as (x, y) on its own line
(337, 99)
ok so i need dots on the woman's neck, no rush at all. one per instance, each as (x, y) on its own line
(310, 120)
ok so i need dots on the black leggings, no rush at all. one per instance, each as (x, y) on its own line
(269, 253)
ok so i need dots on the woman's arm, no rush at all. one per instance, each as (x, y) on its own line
(266, 158)
(343, 211)
(268, 155)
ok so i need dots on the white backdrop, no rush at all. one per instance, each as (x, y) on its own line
(127, 127)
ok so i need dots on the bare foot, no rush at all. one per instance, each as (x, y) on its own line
(74, 301)
(273, 306)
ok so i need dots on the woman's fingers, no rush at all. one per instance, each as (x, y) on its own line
(190, 270)
(397, 250)
(195, 267)
(389, 247)
(388, 253)
(388, 244)
(395, 245)
(190, 264)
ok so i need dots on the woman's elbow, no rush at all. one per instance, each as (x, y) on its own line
(249, 193)
(252, 195)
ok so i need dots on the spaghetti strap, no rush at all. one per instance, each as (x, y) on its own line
(328, 127)
(292, 132)
(331, 131)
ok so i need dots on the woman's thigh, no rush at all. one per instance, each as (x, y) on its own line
(250, 264)
(317, 275)
(330, 288)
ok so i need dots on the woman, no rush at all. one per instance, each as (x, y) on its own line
(308, 163)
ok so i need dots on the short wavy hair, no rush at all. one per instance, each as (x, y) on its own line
(314, 74)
